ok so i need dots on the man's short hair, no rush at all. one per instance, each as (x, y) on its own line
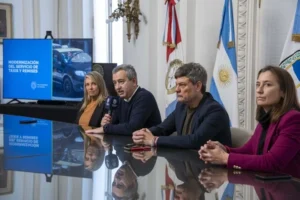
(195, 72)
(129, 69)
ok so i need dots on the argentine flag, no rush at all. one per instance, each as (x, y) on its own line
(290, 58)
(224, 83)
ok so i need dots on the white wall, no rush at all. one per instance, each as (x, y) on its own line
(276, 18)
(200, 22)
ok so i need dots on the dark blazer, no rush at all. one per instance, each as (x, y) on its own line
(281, 149)
(210, 122)
(96, 118)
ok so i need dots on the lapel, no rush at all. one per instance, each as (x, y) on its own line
(97, 115)
(199, 110)
(270, 133)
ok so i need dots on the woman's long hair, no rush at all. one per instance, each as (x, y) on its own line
(98, 79)
(97, 148)
(287, 86)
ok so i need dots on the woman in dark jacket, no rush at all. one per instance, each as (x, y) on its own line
(92, 107)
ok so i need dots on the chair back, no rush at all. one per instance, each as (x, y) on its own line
(239, 136)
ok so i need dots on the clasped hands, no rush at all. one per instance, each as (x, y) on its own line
(214, 152)
(143, 136)
(213, 178)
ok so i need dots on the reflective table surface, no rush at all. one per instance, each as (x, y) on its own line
(42, 159)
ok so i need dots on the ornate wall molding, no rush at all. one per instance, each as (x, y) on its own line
(246, 27)
(242, 58)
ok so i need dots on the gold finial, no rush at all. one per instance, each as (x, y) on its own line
(131, 11)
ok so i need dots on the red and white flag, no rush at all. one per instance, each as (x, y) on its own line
(167, 190)
(174, 54)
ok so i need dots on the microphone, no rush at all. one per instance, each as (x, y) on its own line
(111, 104)
(108, 104)
(111, 160)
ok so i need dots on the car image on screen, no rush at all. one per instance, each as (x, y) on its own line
(70, 66)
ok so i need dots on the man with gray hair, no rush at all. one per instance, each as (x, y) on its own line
(197, 117)
(137, 107)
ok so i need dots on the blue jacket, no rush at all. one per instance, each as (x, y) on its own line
(210, 122)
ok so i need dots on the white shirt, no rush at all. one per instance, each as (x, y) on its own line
(128, 100)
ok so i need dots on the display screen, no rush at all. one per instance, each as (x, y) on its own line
(45, 69)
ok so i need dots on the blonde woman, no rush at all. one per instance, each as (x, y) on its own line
(94, 150)
(94, 153)
(92, 108)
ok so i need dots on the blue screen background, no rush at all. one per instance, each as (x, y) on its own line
(37, 86)
(27, 158)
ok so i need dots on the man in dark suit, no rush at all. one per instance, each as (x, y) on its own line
(197, 117)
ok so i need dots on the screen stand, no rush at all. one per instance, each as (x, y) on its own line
(49, 178)
(13, 100)
(49, 33)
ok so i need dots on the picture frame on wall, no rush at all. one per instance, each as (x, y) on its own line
(6, 177)
(6, 29)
